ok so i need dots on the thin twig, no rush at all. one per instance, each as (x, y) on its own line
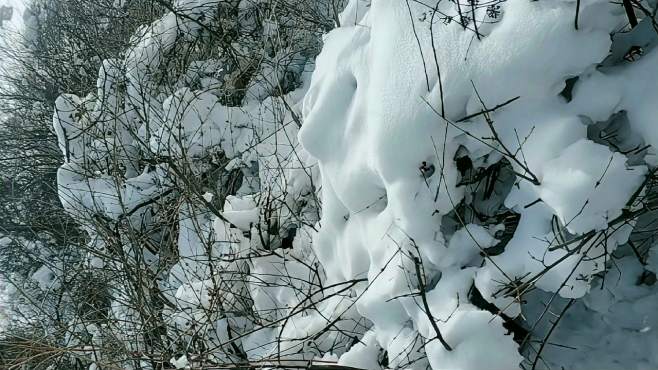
(428, 312)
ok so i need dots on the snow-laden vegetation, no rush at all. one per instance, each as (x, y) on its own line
(385, 184)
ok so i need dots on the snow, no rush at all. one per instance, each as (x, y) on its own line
(634, 88)
(17, 19)
(372, 120)
(180, 363)
(588, 171)
(364, 354)
(350, 183)
(471, 332)
(46, 278)
(465, 246)
(5, 304)
(612, 328)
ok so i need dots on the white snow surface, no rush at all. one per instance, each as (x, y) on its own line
(375, 111)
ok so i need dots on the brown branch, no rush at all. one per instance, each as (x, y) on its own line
(557, 321)
(423, 296)
(630, 13)
(487, 111)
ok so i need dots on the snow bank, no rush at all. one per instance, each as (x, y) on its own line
(396, 97)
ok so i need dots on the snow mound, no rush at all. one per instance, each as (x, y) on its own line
(396, 98)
